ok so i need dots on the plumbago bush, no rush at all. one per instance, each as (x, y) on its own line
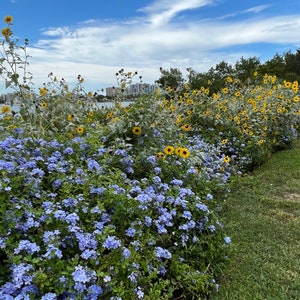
(125, 202)
(77, 224)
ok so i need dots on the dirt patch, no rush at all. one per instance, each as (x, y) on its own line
(292, 197)
(280, 215)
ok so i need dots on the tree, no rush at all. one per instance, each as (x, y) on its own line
(274, 66)
(172, 78)
(245, 68)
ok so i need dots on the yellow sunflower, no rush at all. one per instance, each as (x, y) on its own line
(44, 105)
(169, 150)
(136, 130)
(80, 129)
(159, 155)
(178, 150)
(227, 159)
(184, 152)
(6, 32)
(8, 19)
(5, 109)
(43, 91)
(70, 117)
(186, 127)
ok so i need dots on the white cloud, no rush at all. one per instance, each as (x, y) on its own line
(162, 11)
(98, 49)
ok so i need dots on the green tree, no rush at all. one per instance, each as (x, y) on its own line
(275, 66)
(172, 78)
(197, 80)
(245, 67)
(292, 65)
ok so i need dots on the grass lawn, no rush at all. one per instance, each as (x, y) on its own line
(262, 217)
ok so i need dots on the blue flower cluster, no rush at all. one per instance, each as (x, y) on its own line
(76, 222)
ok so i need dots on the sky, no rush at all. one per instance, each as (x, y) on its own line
(96, 38)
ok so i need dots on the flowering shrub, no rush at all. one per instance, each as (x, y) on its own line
(77, 226)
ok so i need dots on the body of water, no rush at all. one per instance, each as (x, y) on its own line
(99, 105)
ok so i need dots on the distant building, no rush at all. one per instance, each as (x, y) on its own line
(133, 90)
(111, 91)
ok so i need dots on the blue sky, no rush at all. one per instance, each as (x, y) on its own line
(96, 38)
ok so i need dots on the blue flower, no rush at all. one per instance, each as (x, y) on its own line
(148, 221)
(209, 197)
(37, 172)
(72, 218)
(95, 291)
(20, 275)
(92, 164)
(27, 246)
(176, 182)
(227, 240)
(53, 251)
(87, 254)
(111, 242)
(139, 292)
(57, 183)
(162, 253)
(49, 296)
(130, 232)
(202, 207)
(126, 252)
(187, 214)
(2, 243)
(68, 150)
(152, 159)
(132, 276)
(86, 241)
(83, 274)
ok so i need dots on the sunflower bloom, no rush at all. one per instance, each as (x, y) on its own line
(70, 117)
(186, 127)
(80, 129)
(109, 115)
(224, 141)
(169, 150)
(136, 130)
(184, 152)
(178, 150)
(5, 109)
(159, 155)
(227, 159)
(44, 105)
(6, 32)
(43, 91)
(8, 19)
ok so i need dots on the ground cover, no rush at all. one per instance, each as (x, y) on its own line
(262, 216)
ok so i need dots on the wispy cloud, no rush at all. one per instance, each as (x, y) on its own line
(162, 11)
(251, 10)
(97, 49)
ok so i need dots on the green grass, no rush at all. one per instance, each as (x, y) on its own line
(262, 216)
